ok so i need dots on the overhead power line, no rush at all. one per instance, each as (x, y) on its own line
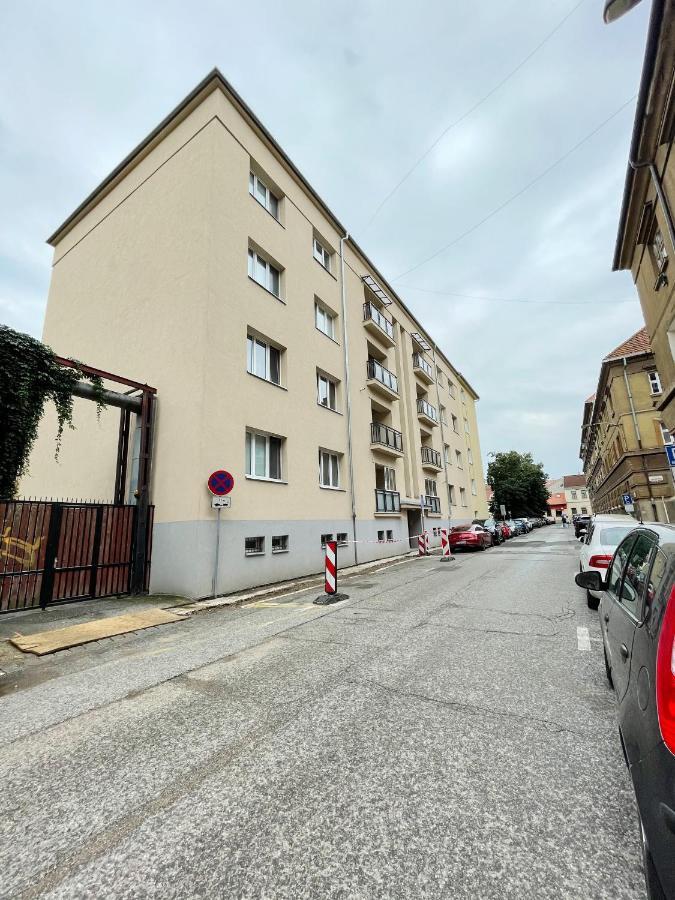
(519, 193)
(468, 112)
(409, 287)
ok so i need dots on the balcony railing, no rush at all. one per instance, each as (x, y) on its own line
(424, 408)
(387, 501)
(419, 362)
(384, 376)
(433, 504)
(431, 457)
(373, 314)
(388, 437)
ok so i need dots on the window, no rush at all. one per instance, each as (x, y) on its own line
(390, 536)
(263, 456)
(665, 434)
(446, 454)
(659, 251)
(454, 423)
(342, 538)
(462, 496)
(329, 469)
(462, 395)
(473, 487)
(654, 383)
(280, 543)
(254, 546)
(458, 458)
(636, 572)
(325, 538)
(466, 426)
(451, 494)
(616, 569)
(444, 418)
(389, 478)
(439, 376)
(324, 320)
(584, 495)
(574, 510)
(451, 388)
(321, 254)
(258, 189)
(584, 511)
(262, 271)
(380, 536)
(430, 487)
(263, 360)
(574, 495)
(326, 391)
(469, 455)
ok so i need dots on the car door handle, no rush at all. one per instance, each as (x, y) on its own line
(624, 651)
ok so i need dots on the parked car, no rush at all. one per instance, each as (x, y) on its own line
(470, 537)
(637, 618)
(506, 531)
(515, 526)
(602, 537)
(550, 520)
(526, 525)
(496, 531)
(581, 524)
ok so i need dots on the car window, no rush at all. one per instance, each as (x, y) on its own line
(612, 536)
(636, 572)
(656, 576)
(616, 569)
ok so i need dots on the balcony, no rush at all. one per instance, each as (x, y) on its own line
(381, 380)
(422, 368)
(427, 413)
(387, 502)
(378, 324)
(431, 459)
(386, 439)
(432, 505)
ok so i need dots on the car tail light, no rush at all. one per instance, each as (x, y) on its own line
(600, 561)
(665, 675)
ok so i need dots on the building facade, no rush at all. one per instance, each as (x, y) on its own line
(207, 266)
(576, 495)
(646, 238)
(623, 435)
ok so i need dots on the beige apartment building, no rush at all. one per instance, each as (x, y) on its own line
(576, 495)
(646, 238)
(206, 266)
(623, 435)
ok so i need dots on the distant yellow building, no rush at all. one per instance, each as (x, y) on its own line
(623, 435)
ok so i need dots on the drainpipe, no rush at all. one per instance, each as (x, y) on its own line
(345, 344)
(638, 438)
(445, 462)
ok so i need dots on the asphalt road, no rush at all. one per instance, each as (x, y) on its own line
(446, 732)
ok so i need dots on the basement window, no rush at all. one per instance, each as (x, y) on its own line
(254, 546)
(280, 543)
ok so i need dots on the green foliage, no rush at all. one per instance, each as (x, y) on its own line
(30, 375)
(518, 483)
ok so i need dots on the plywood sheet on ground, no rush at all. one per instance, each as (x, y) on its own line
(61, 638)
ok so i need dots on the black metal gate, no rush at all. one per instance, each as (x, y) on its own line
(59, 552)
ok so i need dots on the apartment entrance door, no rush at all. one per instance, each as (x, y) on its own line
(414, 526)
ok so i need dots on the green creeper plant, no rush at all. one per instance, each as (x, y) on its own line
(29, 376)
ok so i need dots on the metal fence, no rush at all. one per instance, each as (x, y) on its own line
(59, 552)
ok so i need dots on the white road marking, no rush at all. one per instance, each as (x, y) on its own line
(583, 639)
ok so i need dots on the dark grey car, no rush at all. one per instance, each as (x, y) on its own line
(637, 617)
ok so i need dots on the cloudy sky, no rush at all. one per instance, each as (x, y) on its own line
(356, 93)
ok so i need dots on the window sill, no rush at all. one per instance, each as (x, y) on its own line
(267, 381)
(329, 408)
(277, 552)
(328, 487)
(260, 553)
(270, 214)
(327, 271)
(267, 290)
(326, 335)
(262, 478)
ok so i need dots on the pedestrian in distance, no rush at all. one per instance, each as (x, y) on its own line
(564, 520)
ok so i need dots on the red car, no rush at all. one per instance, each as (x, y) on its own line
(507, 531)
(470, 537)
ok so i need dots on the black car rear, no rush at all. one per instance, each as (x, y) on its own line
(581, 523)
(637, 617)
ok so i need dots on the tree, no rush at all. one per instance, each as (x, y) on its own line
(29, 375)
(518, 483)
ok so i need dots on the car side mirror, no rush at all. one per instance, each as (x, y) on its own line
(591, 581)
(582, 538)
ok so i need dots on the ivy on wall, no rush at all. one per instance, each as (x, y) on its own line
(29, 376)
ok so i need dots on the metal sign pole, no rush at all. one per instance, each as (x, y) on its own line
(215, 563)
